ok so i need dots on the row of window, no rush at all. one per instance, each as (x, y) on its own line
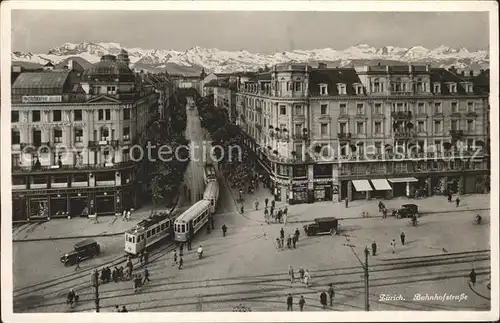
(183, 228)
(63, 178)
(103, 114)
(57, 135)
(162, 227)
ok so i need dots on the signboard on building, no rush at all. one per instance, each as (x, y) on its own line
(41, 98)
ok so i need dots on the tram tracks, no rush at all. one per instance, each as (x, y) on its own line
(342, 277)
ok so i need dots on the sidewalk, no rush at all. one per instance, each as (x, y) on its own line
(307, 212)
(80, 228)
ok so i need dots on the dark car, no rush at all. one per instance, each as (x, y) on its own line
(84, 249)
(406, 211)
(320, 226)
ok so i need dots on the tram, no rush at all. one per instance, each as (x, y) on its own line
(148, 232)
(192, 219)
(212, 194)
(209, 174)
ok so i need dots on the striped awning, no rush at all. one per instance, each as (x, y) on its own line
(403, 180)
(381, 184)
(362, 185)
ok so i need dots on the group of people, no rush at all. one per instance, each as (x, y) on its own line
(304, 276)
(393, 243)
(291, 240)
(323, 299)
(457, 199)
(382, 209)
(127, 215)
(138, 281)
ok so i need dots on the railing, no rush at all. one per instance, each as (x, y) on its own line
(344, 136)
(25, 169)
(404, 134)
(471, 114)
(401, 115)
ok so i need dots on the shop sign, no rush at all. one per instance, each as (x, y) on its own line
(41, 98)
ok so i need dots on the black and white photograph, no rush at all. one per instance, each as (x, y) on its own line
(192, 160)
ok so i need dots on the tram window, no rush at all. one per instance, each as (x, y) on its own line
(153, 231)
(162, 226)
(212, 202)
(133, 239)
(167, 225)
(138, 239)
(183, 228)
(142, 236)
(148, 234)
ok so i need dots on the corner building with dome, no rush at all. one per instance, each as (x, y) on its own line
(72, 134)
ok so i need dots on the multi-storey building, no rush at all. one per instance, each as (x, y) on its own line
(335, 133)
(224, 94)
(72, 131)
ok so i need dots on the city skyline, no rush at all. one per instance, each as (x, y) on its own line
(261, 32)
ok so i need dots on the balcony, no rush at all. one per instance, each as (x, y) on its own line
(344, 136)
(401, 115)
(408, 134)
(456, 134)
(471, 114)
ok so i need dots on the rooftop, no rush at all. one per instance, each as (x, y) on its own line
(41, 80)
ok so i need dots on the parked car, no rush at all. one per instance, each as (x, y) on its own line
(406, 211)
(328, 225)
(84, 249)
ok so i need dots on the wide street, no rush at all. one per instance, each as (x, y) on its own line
(246, 268)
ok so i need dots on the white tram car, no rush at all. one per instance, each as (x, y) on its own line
(212, 194)
(148, 232)
(194, 217)
(209, 174)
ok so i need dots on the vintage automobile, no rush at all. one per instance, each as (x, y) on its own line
(406, 211)
(84, 249)
(328, 225)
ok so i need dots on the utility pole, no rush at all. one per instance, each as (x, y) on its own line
(365, 269)
(94, 278)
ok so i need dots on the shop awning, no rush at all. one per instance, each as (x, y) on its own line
(381, 184)
(403, 180)
(362, 185)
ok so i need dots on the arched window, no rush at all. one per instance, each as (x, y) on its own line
(376, 85)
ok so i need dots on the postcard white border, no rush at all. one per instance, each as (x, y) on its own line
(407, 6)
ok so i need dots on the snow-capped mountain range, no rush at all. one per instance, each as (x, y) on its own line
(212, 59)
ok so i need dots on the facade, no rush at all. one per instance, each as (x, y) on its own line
(224, 94)
(195, 81)
(334, 133)
(71, 137)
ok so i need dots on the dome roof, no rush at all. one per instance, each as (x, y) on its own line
(107, 69)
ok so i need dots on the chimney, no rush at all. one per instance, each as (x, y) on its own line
(428, 67)
(70, 65)
(387, 68)
(410, 68)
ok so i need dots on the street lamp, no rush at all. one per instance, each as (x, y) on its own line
(365, 269)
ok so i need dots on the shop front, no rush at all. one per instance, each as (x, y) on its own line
(58, 206)
(362, 189)
(382, 188)
(402, 186)
(78, 204)
(298, 193)
(105, 203)
(322, 190)
(19, 209)
(39, 208)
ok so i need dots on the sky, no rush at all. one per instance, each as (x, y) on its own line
(257, 32)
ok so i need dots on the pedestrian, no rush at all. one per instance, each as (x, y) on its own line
(393, 245)
(124, 216)
(346, 203)
(278, 243)
(77, 266)
(307, 277)
(181, 249)
(294, 241)
(289, 242)
(114, 275)
(242, 209)
(146, 275)
(124, 309)
(117, 309)
(266, 201)
(256, 205)
(301, 274)
(266, 212)
(402, 236)
(449, 197)
(129, 215)
(384, 213)
(331, 293)
(146, 257)
(322, 299)
(472, 277)
(374, 248)
(273, 203)
(458, 200)
(289, 303)
(181, 262)
(212, 222)
(297, 234)
(224, 230)
(141, 257)
(302, 302)
(136, 284)
(282, 237)
(290, 274)
(280, 215)
(175, 258)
